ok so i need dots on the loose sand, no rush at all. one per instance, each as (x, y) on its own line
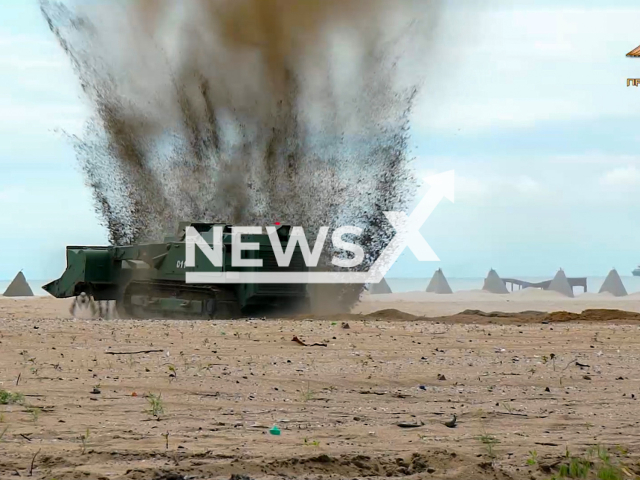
(433, 305)
(223, 384)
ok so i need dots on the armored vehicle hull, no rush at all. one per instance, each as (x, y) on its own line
(148, 281)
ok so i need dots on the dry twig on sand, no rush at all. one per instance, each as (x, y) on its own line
(134, 353)
(33, 460)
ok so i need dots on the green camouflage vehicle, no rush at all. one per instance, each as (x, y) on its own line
(148, 281)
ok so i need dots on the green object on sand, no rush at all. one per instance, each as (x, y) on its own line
(275, 430)
(149, 280)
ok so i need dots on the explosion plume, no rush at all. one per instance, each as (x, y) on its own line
(246, 111)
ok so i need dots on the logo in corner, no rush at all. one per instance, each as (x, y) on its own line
(635, 53)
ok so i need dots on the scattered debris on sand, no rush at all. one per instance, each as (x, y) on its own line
(393, 396)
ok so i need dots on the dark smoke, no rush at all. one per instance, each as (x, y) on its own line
(246, 111)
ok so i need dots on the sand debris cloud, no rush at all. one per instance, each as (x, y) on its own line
(247, 111)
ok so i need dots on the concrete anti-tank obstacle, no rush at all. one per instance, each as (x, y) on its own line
(381, 288)
(561, 284)
(494, 284)
(439, 284)
(613, 285)
(19, 287)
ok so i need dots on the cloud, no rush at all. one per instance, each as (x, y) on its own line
(470, 187)
(487, 187)
(15, 62)
(518, 68)
(15, 40)
(593, 158)
(527, 186)
(29, 52)
(514, 187)
(12, 195)
(624, 177)
(42, 118)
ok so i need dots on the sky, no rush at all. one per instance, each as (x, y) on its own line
(527, 102)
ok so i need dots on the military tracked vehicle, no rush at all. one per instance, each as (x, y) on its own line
(148, 280)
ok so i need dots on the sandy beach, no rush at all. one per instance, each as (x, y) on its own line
(204, 160)
(433, 305)
(372, 403)
(415, 303)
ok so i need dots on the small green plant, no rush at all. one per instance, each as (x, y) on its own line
(35, 413)
(84, 439)
(597, 462)
(603, 454)
(8, 398)
(315, 443)
(508, 407)
(308, 394)
(621, 450)
(489, 441)
(577, 468)
(609, 472)
(156, 405)
(533, 458)
(3, 432)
